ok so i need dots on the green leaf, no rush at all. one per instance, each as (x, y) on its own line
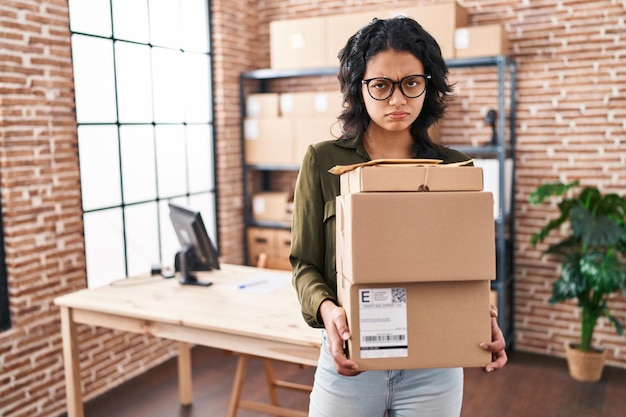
(594, 230)
(604, 273)
(547, 190)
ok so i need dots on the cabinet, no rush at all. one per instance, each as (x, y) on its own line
(499, 153)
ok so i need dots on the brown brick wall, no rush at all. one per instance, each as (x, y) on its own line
(570, 125)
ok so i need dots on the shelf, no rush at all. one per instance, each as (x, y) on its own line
(266, 167)
(269, 224)
(502, 148)
(269, 73)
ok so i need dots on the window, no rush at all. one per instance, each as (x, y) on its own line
(142, 74)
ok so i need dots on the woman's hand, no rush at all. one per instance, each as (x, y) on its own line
(337, 332)
(496, 346)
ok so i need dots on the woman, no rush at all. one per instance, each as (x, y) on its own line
(394, 84)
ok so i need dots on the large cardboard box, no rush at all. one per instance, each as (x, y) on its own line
(273, 242)
(406, 177)
(311, 103)
(339, 29)
(480, 40)
(260, 240)
(271, 206)
(298, 43)
(415, 236)
(269, 141)
(313, 129)
(440, 20)
(416, 325)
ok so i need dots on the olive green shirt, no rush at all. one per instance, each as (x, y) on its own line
(313, 230)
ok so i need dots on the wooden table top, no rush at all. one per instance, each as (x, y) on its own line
(268, 309)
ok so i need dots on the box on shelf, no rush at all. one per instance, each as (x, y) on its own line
(297, 43)
(273, 242)
(340, 27)
(440, 20)
(480, 40)
(271, 206)
(313, 129)
(311, 103)
(415, 236)
(262, 105)
(417, 324)
(269, 141)
(405, 177)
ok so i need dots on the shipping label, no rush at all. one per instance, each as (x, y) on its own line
(383, 322)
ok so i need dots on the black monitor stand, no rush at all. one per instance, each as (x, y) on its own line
(185, 261)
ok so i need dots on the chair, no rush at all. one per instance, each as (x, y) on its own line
(273, 384)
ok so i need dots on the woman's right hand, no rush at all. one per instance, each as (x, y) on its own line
(337, 333)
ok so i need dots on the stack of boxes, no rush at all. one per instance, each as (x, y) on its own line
(315, 42)
(279, 127)
(415, 257)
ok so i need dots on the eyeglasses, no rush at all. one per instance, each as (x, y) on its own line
(412, 86)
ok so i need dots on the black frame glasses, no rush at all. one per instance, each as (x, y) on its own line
(380, 89)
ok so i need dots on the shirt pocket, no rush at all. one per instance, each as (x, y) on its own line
(330, 236)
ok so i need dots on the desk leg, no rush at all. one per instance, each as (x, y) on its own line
(72, 364)
(184, 374)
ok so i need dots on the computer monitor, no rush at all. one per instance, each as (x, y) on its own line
(197, 252)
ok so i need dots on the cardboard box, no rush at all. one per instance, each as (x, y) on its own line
(298, 43)
(311, 103)
(440, 20)
(340, 27)
(260, 240)
(480, 40)
(262, 105)
(283, 243)
(417, 325)
(269, 141)
(271, 206)
(404, 177)
(310, 130)
(275, 243)
(415, 236)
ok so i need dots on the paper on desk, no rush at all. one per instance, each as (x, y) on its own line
(262, 283)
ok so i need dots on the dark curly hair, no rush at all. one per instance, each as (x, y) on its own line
(397, 34)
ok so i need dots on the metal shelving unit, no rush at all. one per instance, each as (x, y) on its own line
(502, 149)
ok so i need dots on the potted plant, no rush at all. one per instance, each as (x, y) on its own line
(593, 264)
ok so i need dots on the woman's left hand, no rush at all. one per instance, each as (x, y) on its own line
(496, 346)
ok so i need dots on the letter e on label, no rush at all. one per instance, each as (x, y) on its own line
(366, 296)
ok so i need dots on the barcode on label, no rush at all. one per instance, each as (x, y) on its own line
(384, 338)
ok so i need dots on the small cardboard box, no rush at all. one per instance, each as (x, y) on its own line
(416, 325)
(405, 177)
(415, 236)
(298, 43)
(262, 105)
(480, 40)
(269, 141)
(440, 20)
(271, 206)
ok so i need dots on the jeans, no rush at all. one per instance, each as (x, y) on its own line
(400, 393)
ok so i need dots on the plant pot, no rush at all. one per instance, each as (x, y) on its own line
(585, 366)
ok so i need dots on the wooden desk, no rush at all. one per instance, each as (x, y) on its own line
(268, 325)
